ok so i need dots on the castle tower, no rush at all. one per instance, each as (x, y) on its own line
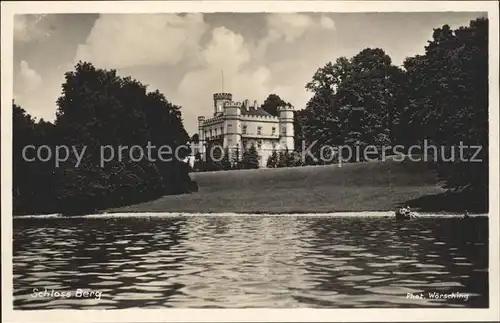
(232, 125)
(286, 127)
(220, 99)
(201, 135)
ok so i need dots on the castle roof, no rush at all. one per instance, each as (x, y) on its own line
(254, 112)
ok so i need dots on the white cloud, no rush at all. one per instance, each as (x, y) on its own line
(262, 75)
(30, 80)
(287, 26)
(226, 50)
(292, 47)
(125, 40)
(250, 72)
(277, 56)
(20, 28)
(37, 94)
(327, 23)
(29, 27)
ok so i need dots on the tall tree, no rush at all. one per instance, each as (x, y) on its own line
(213, 155)
(98, 108)
(272, 161)
(354, 102)
(367, 96)
(250, 158)
(236, 158)
(226, 163)
(299, 126)
(448, 102)
(272, 103)
(33, 179)
(195, 139)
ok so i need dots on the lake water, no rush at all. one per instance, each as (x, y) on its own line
(250, 262)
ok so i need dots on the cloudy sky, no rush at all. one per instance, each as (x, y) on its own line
(183, 55)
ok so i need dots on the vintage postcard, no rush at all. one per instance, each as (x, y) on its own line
(250, 161)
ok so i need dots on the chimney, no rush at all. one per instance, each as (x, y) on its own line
(255, 104)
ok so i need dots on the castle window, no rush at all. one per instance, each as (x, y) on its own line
(221, 130)
(274, 130)
(244, 131)
(211, 132)
(259, 144)
(283, 130)
(259, 130)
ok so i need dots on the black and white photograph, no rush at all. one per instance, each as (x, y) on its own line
(254, 156)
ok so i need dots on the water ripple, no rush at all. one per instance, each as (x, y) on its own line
(249, 261)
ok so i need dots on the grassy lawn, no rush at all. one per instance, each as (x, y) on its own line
(371, 186)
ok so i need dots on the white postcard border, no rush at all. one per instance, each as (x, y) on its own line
(8, 9)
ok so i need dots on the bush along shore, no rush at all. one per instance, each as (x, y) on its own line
(440, 97)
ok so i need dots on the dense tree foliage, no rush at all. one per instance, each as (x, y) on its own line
(236, 160)
(99, 109)
(213, 157)
(354, 103)
(272, 160)
(272, 103)
(218, 158)
(226, 162)
(33, 182)
(448, 102)
(250, 159)
(195, 139)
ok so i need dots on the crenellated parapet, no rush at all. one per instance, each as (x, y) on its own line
(286, 113)
(255, 118)
(214, 120)
(286, 108)
(223, 96)
(231, 104)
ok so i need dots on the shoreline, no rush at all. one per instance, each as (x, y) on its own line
(360, 214)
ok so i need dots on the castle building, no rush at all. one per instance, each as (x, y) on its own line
(237, 126)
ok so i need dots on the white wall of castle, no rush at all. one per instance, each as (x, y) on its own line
(213, 130)
(266, 133)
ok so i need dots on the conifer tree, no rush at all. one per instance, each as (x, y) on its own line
(251, 158)
(226, 160)
(236, 162)
(272, 161)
